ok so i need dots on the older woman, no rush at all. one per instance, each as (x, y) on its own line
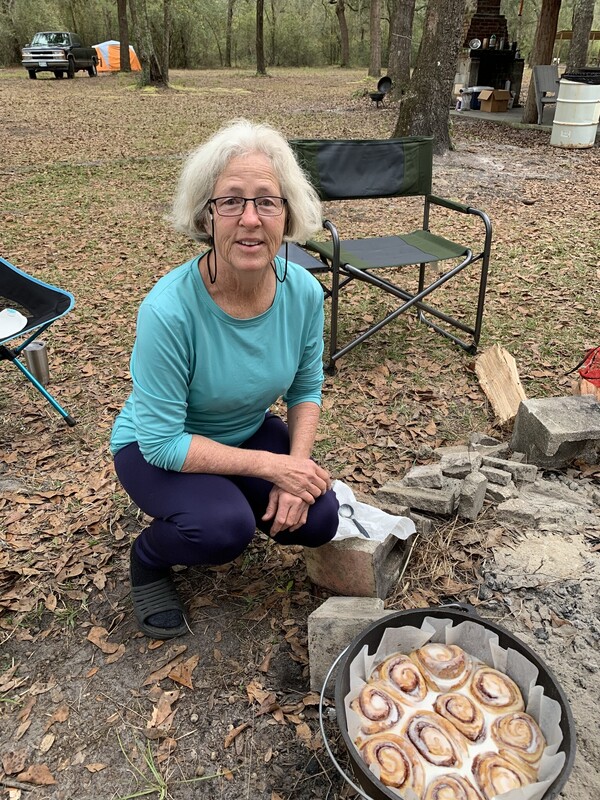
(219, 340)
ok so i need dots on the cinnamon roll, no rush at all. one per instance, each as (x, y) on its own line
(495, 774)
(399, 763)
(463, 713)
(403, 678)
(518, 734)
(445, 666)
(377, 710)
(495, 691)
(451, 787)
(438, 742)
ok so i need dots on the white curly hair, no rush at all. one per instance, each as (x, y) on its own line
(204, 165)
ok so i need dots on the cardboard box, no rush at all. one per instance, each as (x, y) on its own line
(494, 100)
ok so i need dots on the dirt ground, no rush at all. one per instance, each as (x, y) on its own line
(91, 709)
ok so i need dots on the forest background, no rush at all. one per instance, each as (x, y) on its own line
(297, 33)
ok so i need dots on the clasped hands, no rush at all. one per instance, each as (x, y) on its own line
(298, 482)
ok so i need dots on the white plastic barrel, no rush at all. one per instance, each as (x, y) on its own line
(576, 116)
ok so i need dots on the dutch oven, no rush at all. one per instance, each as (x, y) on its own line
(371, 636)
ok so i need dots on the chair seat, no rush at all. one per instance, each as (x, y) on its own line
(298, 255)
(382, 252)
(40, 304)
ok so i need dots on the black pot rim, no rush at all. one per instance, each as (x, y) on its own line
(457, 613)
(384, 84)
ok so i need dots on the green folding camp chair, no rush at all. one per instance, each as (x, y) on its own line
(356, 169)
(27, 308)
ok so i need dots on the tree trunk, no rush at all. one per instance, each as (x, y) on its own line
(8, 8)
(340, 10)
(124, 61)
(425, 109)
(583, 17)
(133, 15)
(166, 43)
(273, 58)
(261, 68)
(401, 26)
(543, 45)
(228, 30)
(375, 33)
(152, 72)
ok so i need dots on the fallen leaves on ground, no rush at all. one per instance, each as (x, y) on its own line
(66, 525)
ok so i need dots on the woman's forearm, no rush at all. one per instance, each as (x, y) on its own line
(206, 455)
(295, 473)
(303, 420)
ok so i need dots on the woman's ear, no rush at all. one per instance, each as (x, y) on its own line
(204, 222)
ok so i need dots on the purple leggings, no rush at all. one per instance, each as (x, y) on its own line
(210, 519)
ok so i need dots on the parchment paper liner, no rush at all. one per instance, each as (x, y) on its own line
(483, 644)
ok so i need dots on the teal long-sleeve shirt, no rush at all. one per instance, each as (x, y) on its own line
(197, 370)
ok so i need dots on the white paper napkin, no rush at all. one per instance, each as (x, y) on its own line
(378, 524)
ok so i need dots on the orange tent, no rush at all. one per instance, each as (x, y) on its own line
(109, 57)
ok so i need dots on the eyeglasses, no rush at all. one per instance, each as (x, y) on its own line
(265, 206)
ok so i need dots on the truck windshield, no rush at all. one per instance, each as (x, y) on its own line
(50, 39)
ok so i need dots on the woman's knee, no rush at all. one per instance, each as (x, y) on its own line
(217, 540)
(321, 525)
(323, 528)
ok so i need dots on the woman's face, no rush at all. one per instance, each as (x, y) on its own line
(250, 242)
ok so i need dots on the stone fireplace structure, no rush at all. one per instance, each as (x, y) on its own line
(496, 61)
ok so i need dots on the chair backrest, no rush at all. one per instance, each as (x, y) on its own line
(349, 169)
(40, 301)
(545, 79)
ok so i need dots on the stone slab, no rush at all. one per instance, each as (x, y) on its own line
(425, 475)
(472, 496)
(457, 471)
(467, 459)
(424, 525)
(332, 627)
(500, 494)
(519, 471)
(552, 431)
(358, 566)
(434, 501)
(562, 509)
(499, 476)
(517, 513)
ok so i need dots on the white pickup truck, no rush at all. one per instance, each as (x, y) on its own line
(58, 52)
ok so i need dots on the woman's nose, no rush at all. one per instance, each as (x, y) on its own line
(250, 214)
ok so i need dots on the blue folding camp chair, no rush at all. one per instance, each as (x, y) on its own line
(27, 307)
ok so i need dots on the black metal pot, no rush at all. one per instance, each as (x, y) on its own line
(384, 84)
(371, 636)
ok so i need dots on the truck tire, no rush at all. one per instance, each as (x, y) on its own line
(59, 73)
(32, 74)
(92, 71)
(71, 68)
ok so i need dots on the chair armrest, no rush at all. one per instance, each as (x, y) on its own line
(463, 209)
(451, 204)
(335, 240)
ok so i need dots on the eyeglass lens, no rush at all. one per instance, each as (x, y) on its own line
(265, 206)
